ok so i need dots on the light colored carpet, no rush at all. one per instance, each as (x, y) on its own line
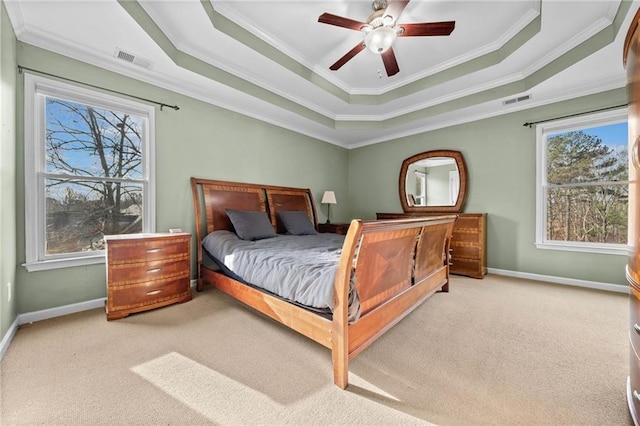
(497, 351)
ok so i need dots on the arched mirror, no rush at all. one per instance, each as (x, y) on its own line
(433, 182)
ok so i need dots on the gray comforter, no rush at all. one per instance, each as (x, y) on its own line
(299, 268)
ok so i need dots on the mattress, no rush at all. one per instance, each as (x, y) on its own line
(297, 268)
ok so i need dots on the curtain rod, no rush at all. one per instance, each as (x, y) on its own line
(174, 107)
(574, 115)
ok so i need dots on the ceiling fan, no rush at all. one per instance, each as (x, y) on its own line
(381, 30)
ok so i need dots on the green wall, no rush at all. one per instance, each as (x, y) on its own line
(207, 141)
(199, 140)
(8, 310)
(501, 159)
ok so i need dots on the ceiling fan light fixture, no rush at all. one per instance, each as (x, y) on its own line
(380, 39)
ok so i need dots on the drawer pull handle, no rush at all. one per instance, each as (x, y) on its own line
(636, 395)
(152, 270)
(154, 250)
(154, 292)
(636, 327)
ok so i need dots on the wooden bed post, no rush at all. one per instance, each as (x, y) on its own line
(447, 261)
(340, 322)
(199, 231)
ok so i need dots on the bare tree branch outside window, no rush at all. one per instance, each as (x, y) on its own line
(93, 175)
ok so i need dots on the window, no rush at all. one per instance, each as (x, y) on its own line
(88, 172)
(583, 183)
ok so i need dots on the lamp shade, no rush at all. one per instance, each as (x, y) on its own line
(380, 39)
(329, 197)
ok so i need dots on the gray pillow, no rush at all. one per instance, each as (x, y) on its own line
(251, 225)
(296, 223)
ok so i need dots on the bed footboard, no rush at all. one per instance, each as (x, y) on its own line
(397, 265)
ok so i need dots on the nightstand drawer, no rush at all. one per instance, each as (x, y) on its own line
(335, 228)
(125, 273)
(147, 250)
(147, 293)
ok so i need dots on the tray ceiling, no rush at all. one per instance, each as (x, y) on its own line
(270, 59)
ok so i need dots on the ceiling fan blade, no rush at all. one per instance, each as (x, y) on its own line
(350, 54)
(395, 8)
(339, 21)
(427, 29)
(390, 63)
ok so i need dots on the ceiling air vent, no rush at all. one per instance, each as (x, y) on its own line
(130, 57)
(516, 99)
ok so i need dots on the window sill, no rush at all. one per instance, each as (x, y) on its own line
(46, 265)
(613, 249)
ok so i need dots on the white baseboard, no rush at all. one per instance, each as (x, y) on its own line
(59, 311)
(8, 337)
(560, 280)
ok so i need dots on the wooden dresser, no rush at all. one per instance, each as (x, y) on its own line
(632, 64)
(146, 271)
(468, 242)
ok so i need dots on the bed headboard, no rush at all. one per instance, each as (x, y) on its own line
(212, 197)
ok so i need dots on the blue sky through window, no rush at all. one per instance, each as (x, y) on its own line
(71, 147)
(613, 135)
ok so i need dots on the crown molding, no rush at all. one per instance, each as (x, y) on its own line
(235, 100)
(265, 113)
(15, 16)
(570, 44)
(460, 117)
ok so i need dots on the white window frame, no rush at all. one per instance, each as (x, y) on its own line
(36, 89)
(544, 129)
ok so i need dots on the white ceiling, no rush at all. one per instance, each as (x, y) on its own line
(270, 59)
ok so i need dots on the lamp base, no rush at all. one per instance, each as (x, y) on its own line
(328, 221)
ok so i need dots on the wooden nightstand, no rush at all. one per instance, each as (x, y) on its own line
(146, 271)
(336, 228)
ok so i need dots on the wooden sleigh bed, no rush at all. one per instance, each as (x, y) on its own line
(396, 264)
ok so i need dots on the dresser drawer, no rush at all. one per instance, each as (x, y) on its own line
(146, 293)
(467, 236)
(146, 249)
(634, 316)
(470, 222)
(461, 249)
(634, 380)
(126, 273)
(466, 266)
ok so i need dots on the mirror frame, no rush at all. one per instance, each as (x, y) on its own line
(462, 193)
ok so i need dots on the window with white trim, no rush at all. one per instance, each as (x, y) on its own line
(88, 172)
(582, 197)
